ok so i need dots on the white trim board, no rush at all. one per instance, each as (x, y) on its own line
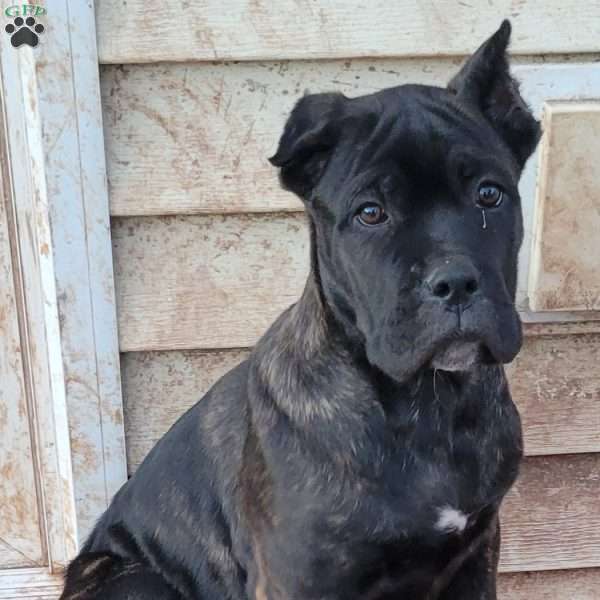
(59, 202)
(38, 584)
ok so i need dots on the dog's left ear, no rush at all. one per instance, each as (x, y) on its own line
(485, 82)
(309, 137)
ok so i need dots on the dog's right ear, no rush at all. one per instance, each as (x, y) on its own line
(309, 137)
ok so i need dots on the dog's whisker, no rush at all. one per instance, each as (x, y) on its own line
(435, 392)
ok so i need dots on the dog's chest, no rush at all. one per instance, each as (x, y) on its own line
(436, 488)
(436, 491)
(369, 542)
(402, 538)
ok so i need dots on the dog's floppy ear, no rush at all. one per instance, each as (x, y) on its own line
(310, 134)
(486, 83)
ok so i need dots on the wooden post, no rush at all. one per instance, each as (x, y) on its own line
(54, 182)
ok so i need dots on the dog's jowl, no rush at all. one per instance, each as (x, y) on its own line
(364, 448)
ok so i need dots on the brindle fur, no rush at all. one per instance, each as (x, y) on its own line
(317, 469)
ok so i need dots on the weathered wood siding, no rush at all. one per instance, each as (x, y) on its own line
(20, 532)
(245, 268)
(154, 30)
(208, 249)
(577, 584)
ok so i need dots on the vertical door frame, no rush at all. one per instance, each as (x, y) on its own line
(54, 184)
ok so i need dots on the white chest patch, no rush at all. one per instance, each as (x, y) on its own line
(450, 519)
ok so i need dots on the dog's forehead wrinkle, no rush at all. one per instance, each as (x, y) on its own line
(420, 120)
(428, 106)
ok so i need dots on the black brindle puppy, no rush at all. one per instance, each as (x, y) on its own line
(364, 448)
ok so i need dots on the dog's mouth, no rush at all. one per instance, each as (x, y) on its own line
(461, 354)
(486, 334)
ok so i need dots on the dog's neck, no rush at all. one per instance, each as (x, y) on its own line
(313, 365)
(309, 373)
(343, 410)
(319, 323)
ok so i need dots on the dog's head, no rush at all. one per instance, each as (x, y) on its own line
(413, 200)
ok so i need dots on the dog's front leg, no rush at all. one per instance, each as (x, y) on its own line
(475, 579)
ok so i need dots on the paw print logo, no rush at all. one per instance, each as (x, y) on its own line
(24, 31)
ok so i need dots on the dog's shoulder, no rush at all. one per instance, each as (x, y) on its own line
(185, 483)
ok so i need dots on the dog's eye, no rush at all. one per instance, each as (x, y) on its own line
(489, 196)
(371, 214)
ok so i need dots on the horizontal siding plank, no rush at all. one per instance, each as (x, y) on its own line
(195, 138)
(154, 30)
(550, 519)
(158, 387)
(205, 281)
(563, 328)
(576, 584)
(556, 385)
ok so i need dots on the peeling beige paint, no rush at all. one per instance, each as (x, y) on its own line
(158, 387)
(20, 542)
(151, 30)
(205, 281)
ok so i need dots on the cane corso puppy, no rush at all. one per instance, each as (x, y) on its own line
(363, 450)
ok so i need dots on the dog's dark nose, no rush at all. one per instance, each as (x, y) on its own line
(454, 282)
